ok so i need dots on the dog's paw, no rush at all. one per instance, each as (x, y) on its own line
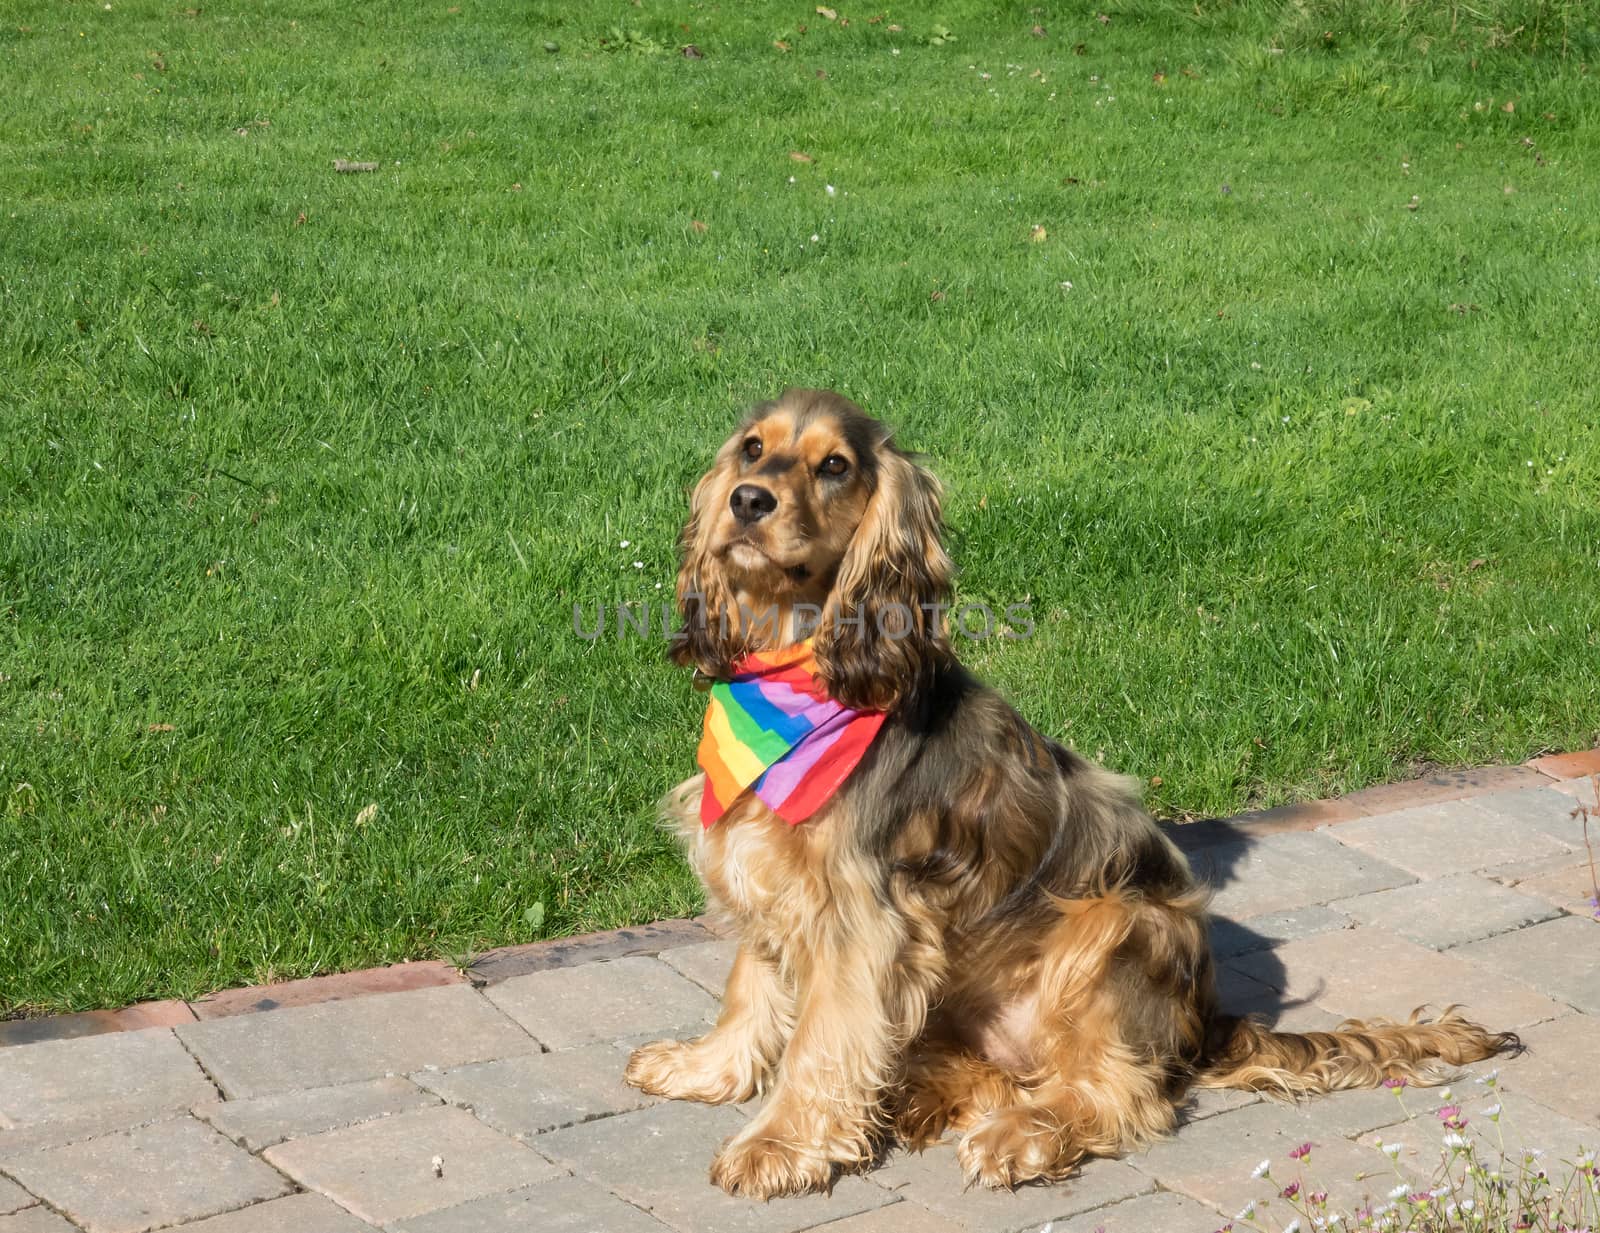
(922, 1118)
(754, 1166)
(689, 1070)
(1012, 1146)
(655, 1068)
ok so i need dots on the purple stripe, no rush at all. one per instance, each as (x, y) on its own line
(794, 701)
(783, 777)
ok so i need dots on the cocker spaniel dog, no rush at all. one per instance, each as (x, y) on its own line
(946, 921)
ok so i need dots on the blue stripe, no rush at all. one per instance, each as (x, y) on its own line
(753, 703)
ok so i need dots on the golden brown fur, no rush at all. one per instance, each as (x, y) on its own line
(982, 931)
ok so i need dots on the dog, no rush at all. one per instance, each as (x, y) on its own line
(971, 928)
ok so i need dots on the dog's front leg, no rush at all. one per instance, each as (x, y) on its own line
(860, 1004)
(735, 1059)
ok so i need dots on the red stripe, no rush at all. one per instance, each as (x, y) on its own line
(797, 679)
(813, 791)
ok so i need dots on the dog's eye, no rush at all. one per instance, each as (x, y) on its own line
(834, 465)
(752, 448)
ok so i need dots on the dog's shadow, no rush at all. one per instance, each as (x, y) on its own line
(1217, 852)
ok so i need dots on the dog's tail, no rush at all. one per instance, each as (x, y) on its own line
(1356, 1054)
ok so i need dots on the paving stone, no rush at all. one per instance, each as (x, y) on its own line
(1204, 1102)
(264, 1120)
(297, 1213)
(35, 1220)
(1560, 957)
(933, 1179)
(338, 987)
(95, 1023)
(706, 963)
(1240, 937)
(125, 1077)
(1538, 809)
(1151, 1213)
(383, 1171)
(1299, 816)
(1435, 840)
(1579, 763)
(1569, 886)
(1367, 972)
(1280, 872)
(1450, 785)
(147, 1178)
(500, 964)
(363, 1038)
(1582, 791)
(902, 1217)
(566, 1205)
(1212, 1161)
(1524, 1126)
(13, 1197)
(1557, 1070)
(542, 1091)
(564, 1007)
(659, 1159)
(1445, 912)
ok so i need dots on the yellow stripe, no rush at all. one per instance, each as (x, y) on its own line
(734, 767)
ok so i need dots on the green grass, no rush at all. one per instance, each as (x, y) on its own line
(301, 473)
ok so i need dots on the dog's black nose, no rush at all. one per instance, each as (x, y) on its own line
(751, 503)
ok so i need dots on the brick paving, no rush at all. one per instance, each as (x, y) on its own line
(424, 1100)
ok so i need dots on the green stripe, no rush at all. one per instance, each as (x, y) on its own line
(765, 744)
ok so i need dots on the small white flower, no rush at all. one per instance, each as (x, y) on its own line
(1468, 1204)
(1585, 1160)
(1456, 1143)
(791, 179)
(1066, 286)
(638, 565)
(815, 237)
(894, 51)
(716, 175)
(623, 544)
(1262, 1169)
(1391, 1150)
(1492, 1113)
(1292, 1227)
(829, 189)
(1400, 1191)
(1248, 1212)
(1489, 1079)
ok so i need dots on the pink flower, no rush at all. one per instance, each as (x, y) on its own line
(1394, 1085)
(1301, 1152)
(1292, 1189)
(1450, 1115)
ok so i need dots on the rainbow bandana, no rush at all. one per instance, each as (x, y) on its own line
(773, 726)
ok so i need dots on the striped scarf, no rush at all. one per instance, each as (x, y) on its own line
(773, 726)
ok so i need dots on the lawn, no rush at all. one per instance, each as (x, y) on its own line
(1255, 344)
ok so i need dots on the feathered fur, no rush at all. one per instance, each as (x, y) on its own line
(982, 931)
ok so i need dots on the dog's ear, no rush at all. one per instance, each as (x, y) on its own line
(883, 629)
(707, 637)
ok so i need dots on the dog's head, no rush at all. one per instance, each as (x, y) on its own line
(811, 520)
